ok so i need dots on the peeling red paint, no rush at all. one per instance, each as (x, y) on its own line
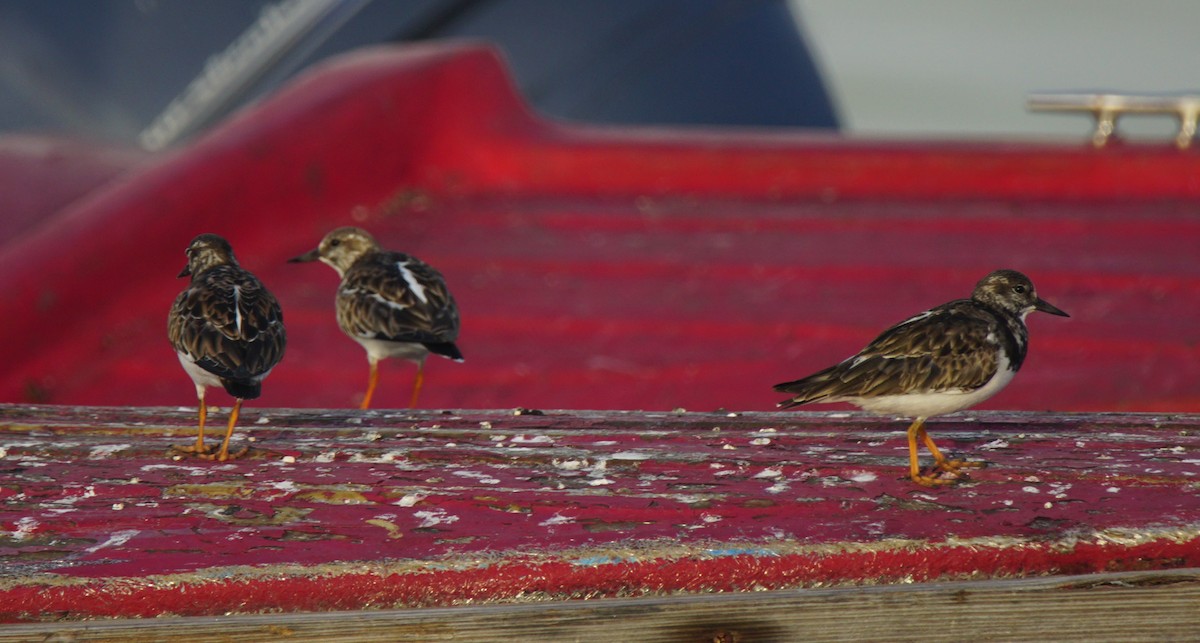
(388, 509)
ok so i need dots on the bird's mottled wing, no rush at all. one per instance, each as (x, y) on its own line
(229, 324)
(951, 347)
(395, 297)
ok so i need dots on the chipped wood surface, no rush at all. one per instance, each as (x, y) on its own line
(345, 510)
(1129, 606)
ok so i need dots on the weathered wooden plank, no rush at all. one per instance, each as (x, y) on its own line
(336, 510)
(1130, 606)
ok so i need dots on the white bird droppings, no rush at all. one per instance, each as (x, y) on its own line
(862, 476)
(410, 499)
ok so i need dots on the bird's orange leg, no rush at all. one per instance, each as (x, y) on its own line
(916, 429)
(412, 403)
(941, 461)
(372, 382)
(223, 454)
(199, 446)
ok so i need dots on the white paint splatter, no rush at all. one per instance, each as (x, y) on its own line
(556, 519)
(116, 540)
(105, 450)
(999, 443)
(1030, 489)
(434, 518)
(1059, 489)
(570, 465)
(537, 439)
(600, 481)
(769, 473)
(391, 456)
(410, 499)
(760, 441)
(630, 455)
(25, 528)
(478, 475)
(862, 476)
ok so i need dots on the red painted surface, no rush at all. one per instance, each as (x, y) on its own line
(343, 510)
(41, 175)
(611, 268)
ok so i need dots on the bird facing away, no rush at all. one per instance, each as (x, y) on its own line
(227, 330)
(391, 303)
(943, 360)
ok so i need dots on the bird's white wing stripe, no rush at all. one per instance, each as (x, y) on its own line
(237, 309)
(413, 283)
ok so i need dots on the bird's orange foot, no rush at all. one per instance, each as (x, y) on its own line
(193, 449)
(937, 479)
(952, 466)
(223, 456)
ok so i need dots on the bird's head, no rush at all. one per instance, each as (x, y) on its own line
(206, 252)
(1013, 292)
(340, 249)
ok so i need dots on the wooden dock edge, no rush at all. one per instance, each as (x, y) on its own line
(1124, 606)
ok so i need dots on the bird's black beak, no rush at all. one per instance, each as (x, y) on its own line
(1047, 307)
(186, 272)
(311, 255)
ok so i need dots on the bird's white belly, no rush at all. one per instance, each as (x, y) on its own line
(202, 378)
(378, 349)
(936, 403)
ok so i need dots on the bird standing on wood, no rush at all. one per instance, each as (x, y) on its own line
(227, 330)
(391, 303)
(943, 360)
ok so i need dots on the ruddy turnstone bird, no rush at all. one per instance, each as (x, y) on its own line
(394, 304)
(943, 360)
(227, 330)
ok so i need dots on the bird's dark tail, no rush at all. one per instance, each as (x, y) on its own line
(814, 388)
(242, 389)
(445, 349)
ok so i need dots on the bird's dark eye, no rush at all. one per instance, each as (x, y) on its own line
(335, 242)
(1019, 289)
